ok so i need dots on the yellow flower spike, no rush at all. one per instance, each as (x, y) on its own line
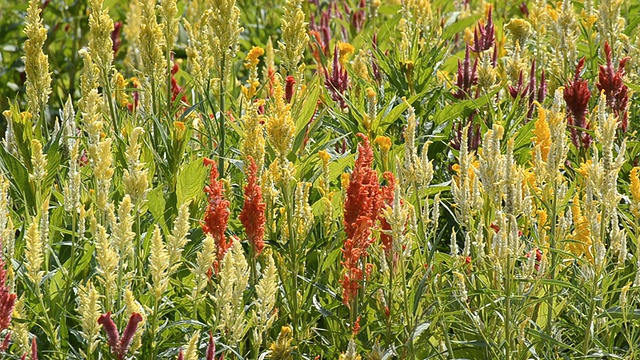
(25, 117)
(520, 29)
(542, 217)
(282, 349)
(252, 60)
(345, 49)
(344, 180)
(541, 133)
(468, 36)
(324, 156)
(36, 63)
(634, 188)
(384, 142)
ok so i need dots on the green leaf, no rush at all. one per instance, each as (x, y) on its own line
(190, 181)
(157, 204)
(19, 177)
(464, 107)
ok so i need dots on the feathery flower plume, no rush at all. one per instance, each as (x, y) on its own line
(338, 81)
(151, 51)
(634, 189)
(576, 95)
(252, 214)
(108, 260)
(7, 299)
(467, 76)
(158, 263)
(611, 81)
(217, 213)
(100, 45)
(254, 143)
(211, 348)
(264, 313)
(484, 36)
(205, 260)
(294, 38)
(89, 309)
(192, 348)
(234, 278)
(34, 349)
(178, 238)
(119, 344)
(36, 63)
(224, 31)
(361, 211)
(289, 88)
(34, 254)
(351, 353)
(115, 37)
(251, 64)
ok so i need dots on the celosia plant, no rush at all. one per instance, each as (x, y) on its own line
(293, 179)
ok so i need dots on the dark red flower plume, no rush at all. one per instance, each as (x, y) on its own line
(610, 80)
(577, 95)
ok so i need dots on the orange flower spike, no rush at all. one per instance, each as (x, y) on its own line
(361, 210)
(217, 213)
(252, 215)
(363, 192)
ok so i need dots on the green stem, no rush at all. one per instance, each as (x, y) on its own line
(49, 325)
(507, 320)
(293, 248)
(408, 317)
(112, 110)
(554, 258)
(390, 302)
(169, 90)
(221, 118)
(154, 319)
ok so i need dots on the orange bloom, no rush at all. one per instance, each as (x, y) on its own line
(217, 213)
(361, 211)
(252, 215)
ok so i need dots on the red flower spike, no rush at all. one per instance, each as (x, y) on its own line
(119, 345)
(5, 342)
(7, 299)
(577, 95)
(542, 89)
(115, 37)
(338, 82)
(252, 216)
(356, 327)
(484, 36)
(176, 89)
(288, 89)
(611, 81)
(211, 348)
(217, 212)
(34, 349)
(467, 76)
(111, 330)
(127, 335)
(180, 355)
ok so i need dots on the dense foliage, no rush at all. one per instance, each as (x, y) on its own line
(377, 179)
